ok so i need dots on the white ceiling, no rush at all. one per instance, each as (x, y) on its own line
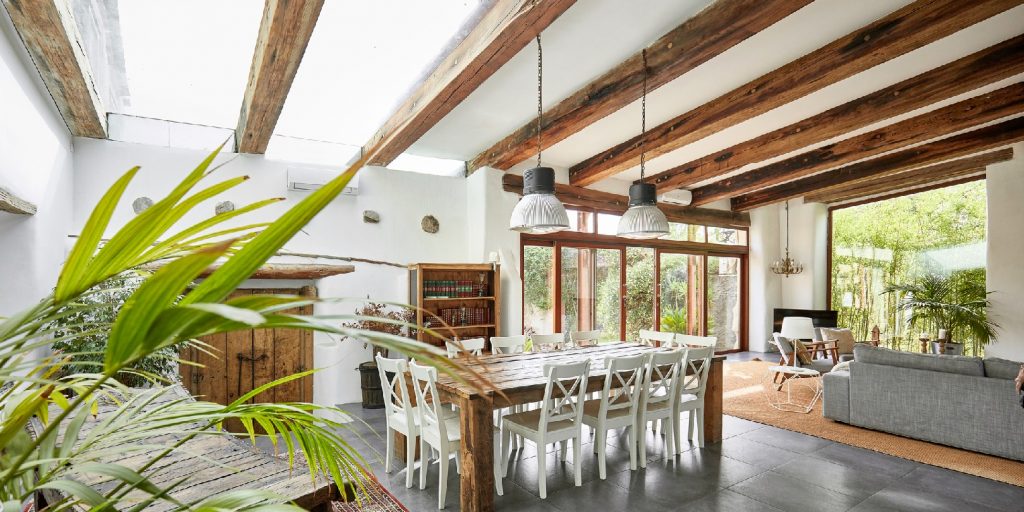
(595, 35)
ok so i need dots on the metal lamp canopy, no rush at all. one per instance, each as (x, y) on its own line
(539, 211)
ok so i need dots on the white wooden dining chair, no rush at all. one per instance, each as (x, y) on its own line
(541, 341)
(693, 384)
(400, 415)
(474, 346)
(656, 338)
(559, 420)
(688, 340)
(585, 338)
(659, 393)
(616, 407)
(441, 431)
(508, 344)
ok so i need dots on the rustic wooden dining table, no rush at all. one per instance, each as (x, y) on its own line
(519, 379)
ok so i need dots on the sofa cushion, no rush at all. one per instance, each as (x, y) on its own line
(843, 338)
(997, 368)
(947, 364)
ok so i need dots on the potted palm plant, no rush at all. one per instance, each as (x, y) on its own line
(956, 305)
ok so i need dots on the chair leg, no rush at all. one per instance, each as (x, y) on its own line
(601, 448)
(499, 473)
(577, 464)
(631, 440)
(670, 438)
(542, 471)
(387, 454)
(410, 462)
(424, 463)
(563, 447)
(458, 462)
(690, 422)
(678, 430)
(700, 427)
(442, 479)
(641, 441)
(506, 445)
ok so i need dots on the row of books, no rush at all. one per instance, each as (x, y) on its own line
(453, 289)
(465, 316)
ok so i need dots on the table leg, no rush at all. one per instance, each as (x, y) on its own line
(477, 478)
(713, 404)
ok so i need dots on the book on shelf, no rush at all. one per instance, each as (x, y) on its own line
(453, 289)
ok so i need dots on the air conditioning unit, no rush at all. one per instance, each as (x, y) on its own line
(307, 179)
(679, 197)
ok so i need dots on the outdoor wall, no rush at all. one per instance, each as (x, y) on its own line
(35, 164)
(1005, 275)
(401, 199)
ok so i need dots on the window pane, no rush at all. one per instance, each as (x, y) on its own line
(680, 293)
(606, 307)
(580, 221)
(608, 224)
(724, 290)
(639, 291)
(685, 232)
(727, 236)
(570, 289)
(538, 289)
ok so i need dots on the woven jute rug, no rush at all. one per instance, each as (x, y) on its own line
(744, 398)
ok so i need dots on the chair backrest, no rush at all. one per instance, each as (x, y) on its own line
(424, 382)
(585, 338)
(661, 377)
(508, 344)
(622, 384)
(785, 347)
(554, 341)
(564, 393)
(474, 346)
(687, 340)
(695, 367)
(656, 338)
(396, 393)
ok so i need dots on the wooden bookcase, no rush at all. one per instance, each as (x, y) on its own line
(457, 301)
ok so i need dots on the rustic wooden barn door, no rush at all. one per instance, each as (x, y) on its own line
(244, 360)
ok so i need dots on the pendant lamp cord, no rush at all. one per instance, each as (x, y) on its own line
(540, 97)
(787, 229)
(643, 117)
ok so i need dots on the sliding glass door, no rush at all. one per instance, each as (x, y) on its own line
(680, 292)
(725, 304)
(591, 284)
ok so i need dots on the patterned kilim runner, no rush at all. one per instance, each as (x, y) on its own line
(372, 498)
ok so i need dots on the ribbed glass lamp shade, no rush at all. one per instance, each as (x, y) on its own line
(539, 211)
(643, 219)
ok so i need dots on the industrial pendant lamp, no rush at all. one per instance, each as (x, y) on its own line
(643, 219)
(787, 266)
(539, 211)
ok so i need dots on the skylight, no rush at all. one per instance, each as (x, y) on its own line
(362, 59)
(188, 60)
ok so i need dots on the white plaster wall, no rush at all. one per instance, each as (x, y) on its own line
(808, 244)
(764, 287)
(1005, 275)
(401, 198)
(35, 164)
(489, 208)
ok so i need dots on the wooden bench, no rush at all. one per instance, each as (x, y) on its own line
(225, 464)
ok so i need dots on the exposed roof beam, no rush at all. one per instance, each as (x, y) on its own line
(284, 34)
(902, 31)
(48, 30)
(958, 77)
(11, 203)
(980, 175)
(617, 204)
(885, 183)
(957, 146)
(504, 29)
(938, 123)
(712, 31)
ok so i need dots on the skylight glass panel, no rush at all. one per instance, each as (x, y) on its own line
(188, 60)
(362, 59)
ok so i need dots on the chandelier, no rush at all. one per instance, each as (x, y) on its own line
(787, 266)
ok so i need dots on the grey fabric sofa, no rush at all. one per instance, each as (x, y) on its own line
(959, 401)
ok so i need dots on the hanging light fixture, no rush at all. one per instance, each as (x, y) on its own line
(539, 211)
(787, 266)
(643, 219)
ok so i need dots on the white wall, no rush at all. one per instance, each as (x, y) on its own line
(1005, 275)
(764, 287)
(401, 199)
(35, 164)
(808, 244)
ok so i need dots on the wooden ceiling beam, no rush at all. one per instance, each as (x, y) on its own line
(284, 35)
(608, 202)
(48, 30)
(883, 183)
(938, 123)
(958, 146)
(988, 66)
(908, 191)
(500, 33)
(900, 185)
(710, 32)
(11, 203)
(898, 33)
